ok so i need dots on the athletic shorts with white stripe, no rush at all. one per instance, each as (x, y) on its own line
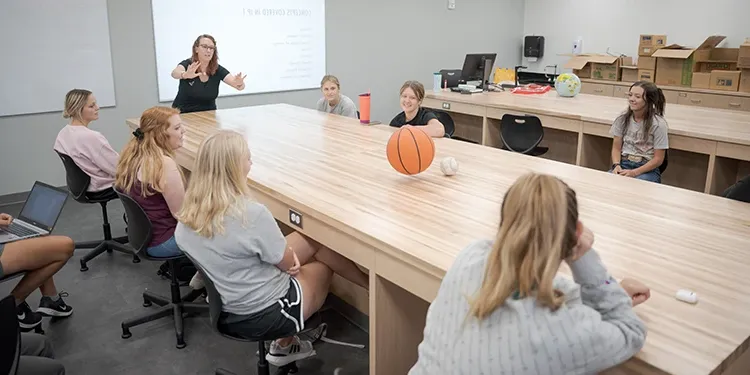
(282, 319)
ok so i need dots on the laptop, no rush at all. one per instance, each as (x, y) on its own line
(38, 215)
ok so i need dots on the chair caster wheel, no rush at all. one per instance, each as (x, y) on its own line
(126, 333)
(146, 303)
(136, 260)
(180, 342)
(84, 268)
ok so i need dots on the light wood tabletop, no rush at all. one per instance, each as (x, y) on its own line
(334, 170)
(696, 122)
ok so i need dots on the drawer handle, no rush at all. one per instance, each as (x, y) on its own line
(683, 94)
(696, 101)
(734, 104)
(599, 90)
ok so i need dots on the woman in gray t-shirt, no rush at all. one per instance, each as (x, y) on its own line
(640, 134)
(333, 101)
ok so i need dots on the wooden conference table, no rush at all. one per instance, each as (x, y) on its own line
(407, 231)
(709, 148)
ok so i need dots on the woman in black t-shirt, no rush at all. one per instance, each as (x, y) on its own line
(200, 76)
(412, 94)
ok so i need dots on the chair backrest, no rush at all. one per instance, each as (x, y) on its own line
(447, 121)
(139, 225)
(663, 166)
(521, 133)
(10, 336)
(740, 191)
(214, 298)
(77, 180)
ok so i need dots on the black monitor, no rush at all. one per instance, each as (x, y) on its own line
(474, 67)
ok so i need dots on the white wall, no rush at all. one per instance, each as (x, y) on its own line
(371, 44)
(618, 23)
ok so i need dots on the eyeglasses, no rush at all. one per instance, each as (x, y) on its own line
(206, 46)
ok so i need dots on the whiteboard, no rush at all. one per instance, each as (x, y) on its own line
(51, 47)
(279, 44)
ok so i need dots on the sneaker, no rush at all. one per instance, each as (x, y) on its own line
(196, 283)
(27, 319)
(59, 308)
(297, 350)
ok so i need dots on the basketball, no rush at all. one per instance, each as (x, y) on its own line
(410, 150)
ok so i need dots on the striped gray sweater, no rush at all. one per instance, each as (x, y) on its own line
(596, 328)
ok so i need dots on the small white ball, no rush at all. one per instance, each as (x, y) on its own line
(449, 166)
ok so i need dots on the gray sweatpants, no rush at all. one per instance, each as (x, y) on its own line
(37, 357)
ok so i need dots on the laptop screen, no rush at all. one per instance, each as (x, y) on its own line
(43, 206)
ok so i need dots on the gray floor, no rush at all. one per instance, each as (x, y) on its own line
(89, 341)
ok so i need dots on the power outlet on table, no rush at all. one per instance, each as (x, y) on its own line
(295, 218)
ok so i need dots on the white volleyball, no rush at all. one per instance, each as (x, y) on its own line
(449, 166)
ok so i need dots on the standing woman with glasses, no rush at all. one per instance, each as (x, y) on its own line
(200, 76)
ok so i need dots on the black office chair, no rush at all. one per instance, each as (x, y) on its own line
(10, 336)
(740, 191)
(139, 234)
(522, 134)
(215, 309)
(665, 163)
(78, 182)
(447, 121)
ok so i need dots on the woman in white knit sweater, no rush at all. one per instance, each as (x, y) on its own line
(502, 308)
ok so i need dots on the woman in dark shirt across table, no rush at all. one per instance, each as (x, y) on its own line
(200, 76)
(412, 94)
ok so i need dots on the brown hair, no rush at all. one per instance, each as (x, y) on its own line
(213, 65)
(144, 152)
(538, 223)
(655, 103)
(330, 78)
(75, 101)
(415, 86)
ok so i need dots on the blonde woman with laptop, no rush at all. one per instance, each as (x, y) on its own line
(269, 284)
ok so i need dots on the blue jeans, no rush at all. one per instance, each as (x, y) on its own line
(653, 175)
(165, 249)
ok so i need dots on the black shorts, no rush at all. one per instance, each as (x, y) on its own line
(282, 319)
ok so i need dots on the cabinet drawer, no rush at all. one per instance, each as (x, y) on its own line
(452, 106)
(621, 91)
(737, 103)
(671, 96)
(597, 89)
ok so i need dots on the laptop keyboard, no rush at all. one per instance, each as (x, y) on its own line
(19, 230)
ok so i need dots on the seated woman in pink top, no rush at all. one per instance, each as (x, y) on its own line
(148, 173)
(88, 148)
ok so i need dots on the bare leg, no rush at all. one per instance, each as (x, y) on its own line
(308, 250)
(40, 257)
(48, 289)
(315, 279)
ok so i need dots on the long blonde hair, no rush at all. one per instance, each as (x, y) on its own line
(144, 152)
(218, 184)
(538, 225)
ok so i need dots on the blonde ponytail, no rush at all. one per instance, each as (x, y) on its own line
(537, 232)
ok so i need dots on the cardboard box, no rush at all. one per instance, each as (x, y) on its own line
(709, 66)
(653, 40)
(602, 67)
(646, 75)
(675, 64)
(647, 63)
(629, 73)
(725, 80)
(743, 56)
(745, 81)
(701, 80)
